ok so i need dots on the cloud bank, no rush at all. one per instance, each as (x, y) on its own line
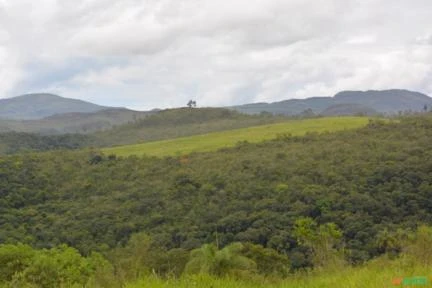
(146, 54)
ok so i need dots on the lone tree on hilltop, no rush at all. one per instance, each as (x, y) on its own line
(191, 104)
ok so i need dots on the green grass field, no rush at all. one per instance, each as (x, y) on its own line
(218, 140)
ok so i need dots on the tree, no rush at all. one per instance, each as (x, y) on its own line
(14, 259)
(391, 242)
(322, 240)
(58, 267)
(307, 113)
(209, 260)
(269, 261)
(191, 104)
(133, 261)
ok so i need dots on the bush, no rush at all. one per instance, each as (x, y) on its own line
(14, 259)
(22, 266)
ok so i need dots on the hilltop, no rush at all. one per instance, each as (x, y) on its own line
(41, 105)
(180, 122)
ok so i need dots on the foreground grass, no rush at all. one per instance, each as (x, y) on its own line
(379, 273)
(218, 140)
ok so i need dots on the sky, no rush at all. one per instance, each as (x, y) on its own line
(145, 54)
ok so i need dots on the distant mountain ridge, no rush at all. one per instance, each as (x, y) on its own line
(46, 113)
(41, 105)
(346, 103)
(74, 122)
(386, 101)
(52, 114)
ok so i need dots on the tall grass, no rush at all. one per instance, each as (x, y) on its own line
(378, 273)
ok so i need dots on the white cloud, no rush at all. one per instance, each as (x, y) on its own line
(424, 39)
(144, 54)
(362, 39)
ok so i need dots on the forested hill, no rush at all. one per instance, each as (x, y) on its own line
(141, 127)
(180, 122)
(40, 105)
(74, 122)
(366, 181)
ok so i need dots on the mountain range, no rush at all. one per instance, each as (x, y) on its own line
(346, 103)
(52, 114)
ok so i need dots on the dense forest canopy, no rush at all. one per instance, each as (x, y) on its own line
(364, 181)
(269, 208)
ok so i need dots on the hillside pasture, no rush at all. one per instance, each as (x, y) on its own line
(225, 139)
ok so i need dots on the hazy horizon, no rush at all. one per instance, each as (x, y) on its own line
(209, 106)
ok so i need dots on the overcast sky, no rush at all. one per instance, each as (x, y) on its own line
(144, 54)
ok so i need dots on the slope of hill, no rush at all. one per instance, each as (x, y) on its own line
(225, 139)
(348, 109)
(77, 122)
(286, 107)
(18, 142)
(181, 122)
(387, 101)
(38, 106)
(111, 127)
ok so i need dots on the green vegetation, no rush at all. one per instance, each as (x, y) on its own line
(158, 125)
(141, 127)
(376, 274)
(83, 123)
(363, 180)
(233, 266)
(210, 260)
(169, 124)
(218, 140)
(16, 142)
(22, 266)
(350, 208)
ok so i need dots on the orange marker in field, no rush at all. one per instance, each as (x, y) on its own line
(397, 281)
